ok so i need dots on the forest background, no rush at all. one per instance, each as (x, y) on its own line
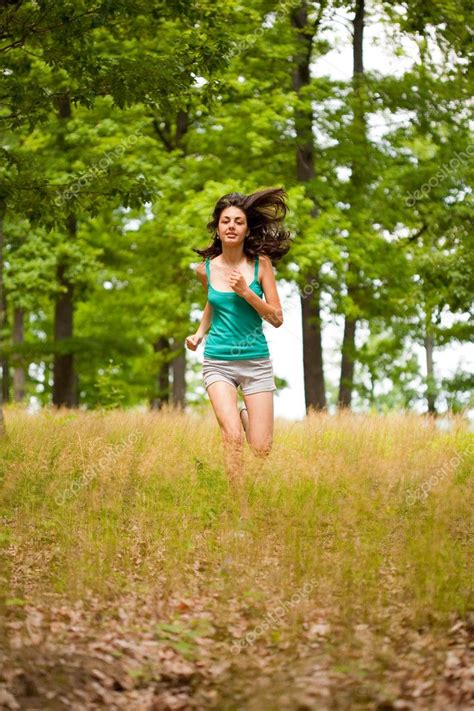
(122, 124)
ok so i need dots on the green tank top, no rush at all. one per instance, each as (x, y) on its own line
(236, 329)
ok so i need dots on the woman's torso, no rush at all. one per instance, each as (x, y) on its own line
(236, 330)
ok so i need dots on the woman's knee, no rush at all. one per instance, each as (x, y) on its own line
(262, 448)
(233, 436)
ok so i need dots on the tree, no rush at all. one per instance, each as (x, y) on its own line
(306, 29)
(56, 57)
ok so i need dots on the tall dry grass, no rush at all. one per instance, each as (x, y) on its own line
(104, 502)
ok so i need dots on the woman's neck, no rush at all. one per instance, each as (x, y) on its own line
(233, 256)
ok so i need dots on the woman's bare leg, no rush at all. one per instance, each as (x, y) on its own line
(260, 423)
(223, 397)
(244, 417)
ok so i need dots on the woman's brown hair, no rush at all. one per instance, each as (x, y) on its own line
(265, 211)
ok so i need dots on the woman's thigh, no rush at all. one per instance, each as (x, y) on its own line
(260, 411)
(223, 397)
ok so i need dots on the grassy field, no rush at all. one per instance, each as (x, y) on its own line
(130, 579)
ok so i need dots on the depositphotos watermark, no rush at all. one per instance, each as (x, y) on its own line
(421, 492)
(282, 9)
(93, 470)
(275, 618)
(97, 169)
(441, 174)
(256, 335)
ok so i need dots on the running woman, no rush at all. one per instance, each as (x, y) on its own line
(236, 272)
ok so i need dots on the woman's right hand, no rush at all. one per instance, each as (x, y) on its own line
(193, 341)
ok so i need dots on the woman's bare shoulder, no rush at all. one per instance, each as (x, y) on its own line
(264, 261)
(201, 272)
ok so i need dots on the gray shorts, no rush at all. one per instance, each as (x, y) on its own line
(253, 375)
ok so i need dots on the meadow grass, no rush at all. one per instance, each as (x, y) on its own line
(375, 510)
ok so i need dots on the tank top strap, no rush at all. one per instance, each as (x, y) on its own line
(255, 273)
(207, 271)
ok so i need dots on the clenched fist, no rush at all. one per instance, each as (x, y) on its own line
(193, 341)
(238, 283)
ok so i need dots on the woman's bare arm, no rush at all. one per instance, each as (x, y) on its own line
(193, 341)
(270, 309)
(207, 314)
(205, 320)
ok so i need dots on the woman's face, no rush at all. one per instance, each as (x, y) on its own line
(232, 226)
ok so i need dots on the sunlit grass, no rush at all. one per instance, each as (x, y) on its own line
(105, 502)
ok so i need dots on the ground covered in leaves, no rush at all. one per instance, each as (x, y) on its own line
(157, 651)
(140, 653)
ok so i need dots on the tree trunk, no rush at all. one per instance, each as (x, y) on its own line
(358, 39)
(430, 379)
(314, 390)
(5, 360)
(64, 379)
(64, 390)
(178, 369)
(162, 391)
(172, 132)
(2, 239)
(348, 354)
(19, 373)
(63, 368)
(347, 363)
(314, 386)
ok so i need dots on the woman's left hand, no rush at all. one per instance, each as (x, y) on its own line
(237, 282)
